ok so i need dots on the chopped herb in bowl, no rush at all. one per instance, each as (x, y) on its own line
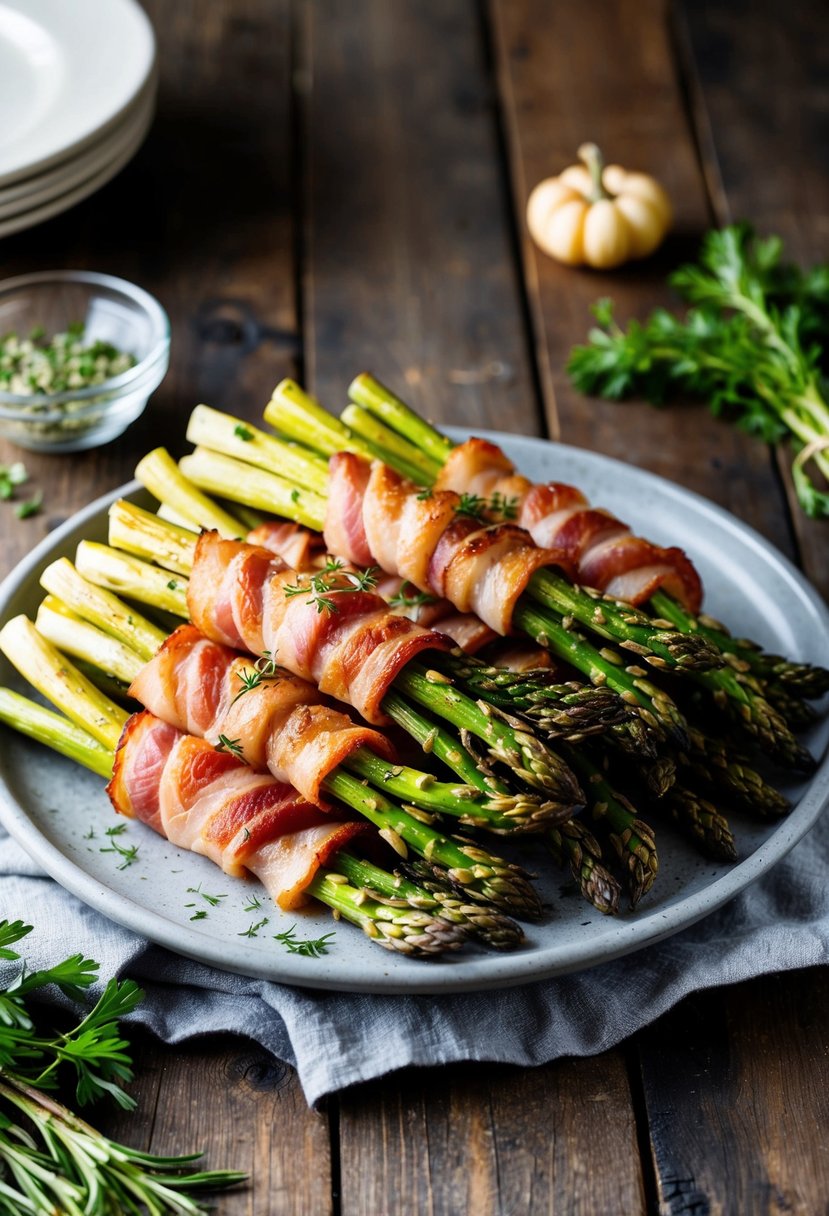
(37, 365)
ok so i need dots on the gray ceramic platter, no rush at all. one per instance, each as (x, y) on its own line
(59, 812)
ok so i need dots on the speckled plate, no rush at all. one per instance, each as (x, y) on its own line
(60, 814)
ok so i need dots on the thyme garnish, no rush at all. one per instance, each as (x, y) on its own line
(333, 577)
(411, 598)
(309, 947)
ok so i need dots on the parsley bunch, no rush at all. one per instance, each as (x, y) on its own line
(50, 1160)
(748, 345)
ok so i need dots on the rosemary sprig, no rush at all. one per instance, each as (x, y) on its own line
(51, 1160)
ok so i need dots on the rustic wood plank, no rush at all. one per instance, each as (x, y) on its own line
(493, 1140)
(606, 71)
(408, 269)
(737, 1087)
(764, 146)
(244, 1110)
(202, 218)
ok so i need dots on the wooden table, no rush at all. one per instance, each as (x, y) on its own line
(339, 184)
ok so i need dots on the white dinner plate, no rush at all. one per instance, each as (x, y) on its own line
(31, 192)
(59, 812)
(69, 70)
(69, 198)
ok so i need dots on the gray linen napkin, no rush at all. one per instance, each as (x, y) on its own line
(336, 1039)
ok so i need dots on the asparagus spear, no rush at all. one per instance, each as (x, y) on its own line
(804, 679)
(570, 710)
(630, 836)
(700, 820)
(572, 844)
(492, 928)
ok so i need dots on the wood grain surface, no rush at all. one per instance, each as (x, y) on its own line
(333, 185)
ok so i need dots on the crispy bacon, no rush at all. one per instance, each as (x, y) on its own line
(601, 549)
(352, 647)
(299, 547)
(214, 804)
(424, 538)
(280, 724)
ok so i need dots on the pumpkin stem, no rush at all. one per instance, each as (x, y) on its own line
(592, 156)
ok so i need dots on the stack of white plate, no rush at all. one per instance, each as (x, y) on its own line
(77, 91)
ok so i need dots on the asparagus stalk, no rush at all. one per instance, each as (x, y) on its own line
(374, 397)
(120, 572)
(101, 608)
(76, 637)
(159, 468)
(152, 538)
(226, 434)
(605, 667)
(699, 820)
(465, 802)
(569, 710)
(631, 838)
(52, 729)
(293, 412)
(257, 488)
(492, 928)
(804, 679)
(710, 764)
(385, 443)
(572, 844)
(507, 740)
(467, 867)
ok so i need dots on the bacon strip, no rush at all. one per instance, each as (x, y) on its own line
(280, 725)
(480, 569)
(299, 547)
(240, 595)
(602, 550)
(213, 804)
(303, 550)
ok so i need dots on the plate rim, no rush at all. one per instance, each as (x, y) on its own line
(94, 130)
(628, 936)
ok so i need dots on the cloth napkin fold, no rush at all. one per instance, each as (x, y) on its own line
(335, 1039)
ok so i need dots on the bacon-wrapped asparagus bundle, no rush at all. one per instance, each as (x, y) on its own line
(212, 803)
(559, 515)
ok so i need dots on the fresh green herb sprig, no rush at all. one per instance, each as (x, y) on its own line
(409, 597)
(12, 476)
(747, 346)
(309, 947)
(251, 677)
(498, 507)
(333, 577)
(50, 1160)
(37, 364)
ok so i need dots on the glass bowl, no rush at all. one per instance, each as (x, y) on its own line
(111, 310)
